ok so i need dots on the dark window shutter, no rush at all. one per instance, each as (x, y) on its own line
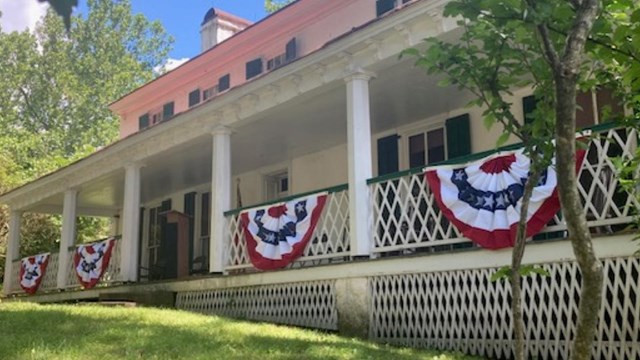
(194, 97)
(254, 68)
(290, 50)
(165, 205)
(458, 136)
(224, 83)
(388, 155)
(167, 111)
(140, 236)
(529, 104)
(143, 121)
(384, 6)
(190, 209)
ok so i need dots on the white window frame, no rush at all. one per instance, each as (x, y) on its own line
(422, 127)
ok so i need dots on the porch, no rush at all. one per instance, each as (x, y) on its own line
(405, 222)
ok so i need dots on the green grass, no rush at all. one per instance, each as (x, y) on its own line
(30, 331)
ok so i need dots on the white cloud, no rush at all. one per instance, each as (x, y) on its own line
(169, 65)
(17, 15)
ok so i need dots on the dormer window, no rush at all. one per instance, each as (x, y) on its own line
(167, 111)
(224, 83)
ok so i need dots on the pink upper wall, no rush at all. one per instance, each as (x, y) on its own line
(312, 22)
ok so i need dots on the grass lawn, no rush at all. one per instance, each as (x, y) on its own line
(30, 331)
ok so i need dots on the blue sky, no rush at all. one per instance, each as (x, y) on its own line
(182, 18)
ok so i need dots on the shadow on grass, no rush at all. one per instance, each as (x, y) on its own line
(93, 333)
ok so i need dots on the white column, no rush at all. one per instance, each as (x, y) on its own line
(13, 250)
(68, 239)
(359, 159)
(130, 224)
(220, 197)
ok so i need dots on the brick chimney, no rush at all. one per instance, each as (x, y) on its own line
(218, 26)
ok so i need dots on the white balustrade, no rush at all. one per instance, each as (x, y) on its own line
(406, 217)
(330, 241)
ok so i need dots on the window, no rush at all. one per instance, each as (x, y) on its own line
(254, 68)
(209, 93)
(156, 118)
(154, 237)
(277, 185)
(194, 97)
(426, 147)
(606, 105)
(143, 121)
(224, 83)
(291, 51)
(384, 6)
(167, 111)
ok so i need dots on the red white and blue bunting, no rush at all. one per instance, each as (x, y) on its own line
(278, 234)
(483, 199)
(91, 260)
(32, 270)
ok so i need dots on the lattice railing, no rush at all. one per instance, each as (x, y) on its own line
(308, 304)
(465, 311)
(15, 279)
(330, 242)
(111, 275)
(50, 280)
(406, 217)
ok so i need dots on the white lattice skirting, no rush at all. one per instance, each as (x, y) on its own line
(465, 311)
(307, 304)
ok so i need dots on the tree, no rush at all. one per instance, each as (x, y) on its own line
(55, 88)
(544, 44)
(275, 5)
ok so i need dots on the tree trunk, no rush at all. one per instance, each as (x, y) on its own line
(590, 266)
(516, 262)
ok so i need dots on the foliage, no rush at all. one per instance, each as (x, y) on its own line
(97, 332)
(275, 5)
(55, 87)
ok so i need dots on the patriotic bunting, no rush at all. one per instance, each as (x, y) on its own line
(32, 270)
(91, 260)
(277, 235)
(483, 199)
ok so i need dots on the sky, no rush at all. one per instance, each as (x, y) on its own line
(180, 18)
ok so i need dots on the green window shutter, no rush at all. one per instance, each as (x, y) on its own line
(224, 83)
(143, 122)
(458, 136)
(194, 97)
(388, 155)
(529, 104)
(190, 209)
(167, 111)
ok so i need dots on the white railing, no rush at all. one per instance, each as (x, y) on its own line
(406, 217)
(50, 279)
(330, 242)
(111, 275)
(15, 279)
(47, 283)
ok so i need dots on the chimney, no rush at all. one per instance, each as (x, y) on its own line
(218, 26)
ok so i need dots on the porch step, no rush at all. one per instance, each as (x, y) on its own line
(164, 299)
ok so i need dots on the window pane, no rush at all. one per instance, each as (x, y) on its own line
(435, 142)
(416, 150)
(284, 184)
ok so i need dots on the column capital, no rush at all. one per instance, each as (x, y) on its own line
(221, 130)
(358, 73)
(133, 165)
